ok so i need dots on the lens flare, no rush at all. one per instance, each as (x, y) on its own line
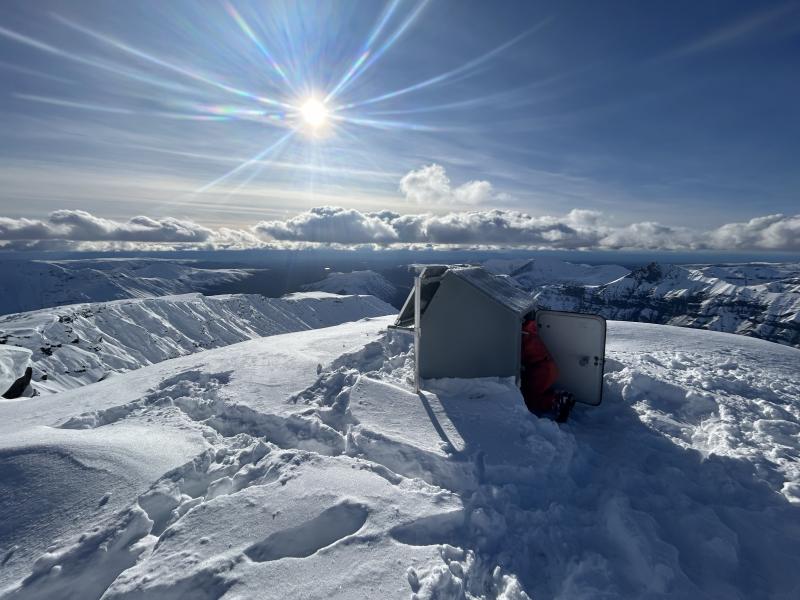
(291, 88)
(314, 113)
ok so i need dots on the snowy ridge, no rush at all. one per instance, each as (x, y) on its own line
(711, 297)
(367, 283)
(36, 284)
(71, 346)
(303, 465)
(548, 271)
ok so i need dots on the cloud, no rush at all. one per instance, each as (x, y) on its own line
(577, 229)
(773, 232)
(735, 31)
(79, 225)
(431, 185)
(651, 236)
(332, 224)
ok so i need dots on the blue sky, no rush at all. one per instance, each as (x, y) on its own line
(681, 113)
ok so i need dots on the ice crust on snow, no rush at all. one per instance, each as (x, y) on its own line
(304, 465)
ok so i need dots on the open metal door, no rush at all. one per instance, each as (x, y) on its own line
(577, 343)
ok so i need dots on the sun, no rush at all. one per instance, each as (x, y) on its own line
(314, 113)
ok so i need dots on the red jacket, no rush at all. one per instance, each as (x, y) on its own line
(539, 370)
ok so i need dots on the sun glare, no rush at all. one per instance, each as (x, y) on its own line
(314, 113)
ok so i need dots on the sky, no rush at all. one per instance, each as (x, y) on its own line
(668, 125)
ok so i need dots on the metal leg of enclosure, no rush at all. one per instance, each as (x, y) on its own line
(417, 328)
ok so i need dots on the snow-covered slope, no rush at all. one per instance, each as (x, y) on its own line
(367, 283)
(712, 297)
(71, 346)
(536, 272)
(31, 285)
(304, 466)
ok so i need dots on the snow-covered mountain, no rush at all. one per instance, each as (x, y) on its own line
(536, 272)
(31, 285)
(251, 471)
(74, 345)
(367, 283)
(708, 297)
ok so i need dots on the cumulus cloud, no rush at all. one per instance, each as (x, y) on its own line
(577, 229)
(773, 232)
(652, 236)
(79, 225)
(431, 185)
(332, 224)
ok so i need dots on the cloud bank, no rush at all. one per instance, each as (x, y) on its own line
(63, 229)
(576, 230)
(430, 186)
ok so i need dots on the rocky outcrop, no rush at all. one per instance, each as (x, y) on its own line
(19, 386)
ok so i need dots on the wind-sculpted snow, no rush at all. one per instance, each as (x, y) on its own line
(756, 300)
(36, 284)
(71, 346)
(318, 472)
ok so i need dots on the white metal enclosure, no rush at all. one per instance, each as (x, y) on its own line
(467, 323)
(577, 343)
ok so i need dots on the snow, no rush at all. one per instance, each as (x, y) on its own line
(366, 282)
(31, 285)
(540, 271)
(710, 297)
(71, 346)
(304, 465)
(500, 288)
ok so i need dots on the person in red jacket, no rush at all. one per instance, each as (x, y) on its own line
(539, 374)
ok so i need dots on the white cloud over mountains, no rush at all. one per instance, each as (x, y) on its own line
(427, 186)
(79, 225)
(578, 229)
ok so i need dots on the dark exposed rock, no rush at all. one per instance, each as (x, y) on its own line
(18, 387)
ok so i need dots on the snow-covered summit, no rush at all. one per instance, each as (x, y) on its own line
(367, 283)
(304, 465)
(547, 271)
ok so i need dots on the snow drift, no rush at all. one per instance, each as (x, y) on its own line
(304, 465)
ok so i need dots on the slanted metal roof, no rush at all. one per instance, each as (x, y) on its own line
(497, 287)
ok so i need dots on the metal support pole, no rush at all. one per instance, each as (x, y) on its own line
(417, 327)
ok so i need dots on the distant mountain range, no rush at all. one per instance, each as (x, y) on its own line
(757, 299)
(356, 282)
(35, 284)
(71, 346)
